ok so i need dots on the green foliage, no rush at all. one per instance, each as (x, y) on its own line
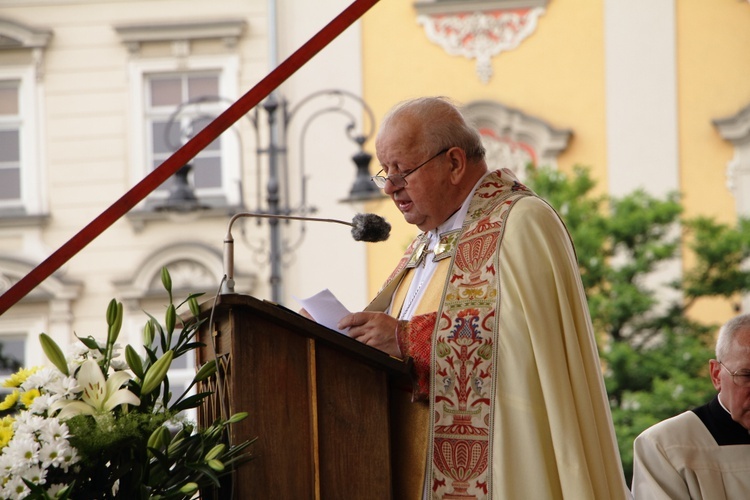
(656, 356)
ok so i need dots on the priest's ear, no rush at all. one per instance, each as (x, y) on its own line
(715, 369)
(458, 164)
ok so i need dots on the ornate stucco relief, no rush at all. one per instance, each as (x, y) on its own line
(479, 30)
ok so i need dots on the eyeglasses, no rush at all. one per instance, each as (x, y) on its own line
(740, 377)
(399, 180)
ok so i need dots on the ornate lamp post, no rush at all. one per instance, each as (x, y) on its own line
(279, 117)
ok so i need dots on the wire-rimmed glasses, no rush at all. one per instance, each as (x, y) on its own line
(399, 180)
(740, 377)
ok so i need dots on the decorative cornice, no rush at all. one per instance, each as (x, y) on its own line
(513, 138)
(479, 29)
(134, 35)
(14, 35)
(736, 130)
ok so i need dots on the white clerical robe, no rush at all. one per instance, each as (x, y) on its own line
(678, 458)
(551, 431)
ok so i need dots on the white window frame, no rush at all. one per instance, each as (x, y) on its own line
(32, 200)
(140, 151)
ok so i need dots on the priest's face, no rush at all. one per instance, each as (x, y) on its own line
(734, 390)
(424, 200)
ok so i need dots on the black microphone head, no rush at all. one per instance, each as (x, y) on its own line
(370, 227)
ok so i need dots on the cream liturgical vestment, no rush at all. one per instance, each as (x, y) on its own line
(506, 359)
(699, 455)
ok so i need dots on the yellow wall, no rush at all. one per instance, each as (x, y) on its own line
(713, 82)
(558, 75)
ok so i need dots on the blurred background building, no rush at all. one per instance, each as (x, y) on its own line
(94, 94)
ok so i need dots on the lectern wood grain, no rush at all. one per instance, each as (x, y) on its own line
(319, 404)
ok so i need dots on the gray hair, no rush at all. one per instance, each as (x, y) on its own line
(728, 332)
(443, 125)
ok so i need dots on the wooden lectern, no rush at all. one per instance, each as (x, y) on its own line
(325, 409)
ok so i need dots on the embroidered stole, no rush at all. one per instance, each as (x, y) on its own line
(463, 368)
(464, 348)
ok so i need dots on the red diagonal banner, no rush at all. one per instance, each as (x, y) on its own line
(183, 155)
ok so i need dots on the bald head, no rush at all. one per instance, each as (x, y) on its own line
(436, 158)
(434, 122)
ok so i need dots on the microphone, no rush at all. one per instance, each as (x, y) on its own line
(365, 227)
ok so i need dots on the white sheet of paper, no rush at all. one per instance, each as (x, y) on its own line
(325, 308)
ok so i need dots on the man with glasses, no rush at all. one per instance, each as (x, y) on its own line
(488, 302)
(704, 453)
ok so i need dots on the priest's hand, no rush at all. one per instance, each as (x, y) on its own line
(375, 329)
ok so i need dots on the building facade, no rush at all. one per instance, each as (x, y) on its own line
(646, 94)
(94, 95)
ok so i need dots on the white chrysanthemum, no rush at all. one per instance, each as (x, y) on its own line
(67, 387)
(119, 364)
(15, 488)
(43, 378)
(53, 490)
(22, 451)
(52, 454)
(116, 350)
(28, 423)
(69, 457)
(78, 352)
(41, 403)
(6, 463)
(54, 431)
(35, 474)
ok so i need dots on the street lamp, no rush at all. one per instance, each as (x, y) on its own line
(277, 204)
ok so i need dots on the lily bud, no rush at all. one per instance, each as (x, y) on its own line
(166, 280)
(170, 318)
(237, 417)
(134, 361)
(189, 488)
(215, 451)
(216, 465)
(157, 372)
(148, 333)
(206, 371)
(53, 353)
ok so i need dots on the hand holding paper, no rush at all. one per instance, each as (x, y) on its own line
(325, 308)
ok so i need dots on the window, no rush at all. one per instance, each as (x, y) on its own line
(172, 119)
(12, 357)
(20, 169)
(10, 144)
(21, 63)
(173, 66)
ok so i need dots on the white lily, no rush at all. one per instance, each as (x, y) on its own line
(99, 396)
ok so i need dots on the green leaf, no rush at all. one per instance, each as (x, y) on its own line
(194, 307)
(189, 402)
(90, 342)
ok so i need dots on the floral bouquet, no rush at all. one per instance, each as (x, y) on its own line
(100, 425)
